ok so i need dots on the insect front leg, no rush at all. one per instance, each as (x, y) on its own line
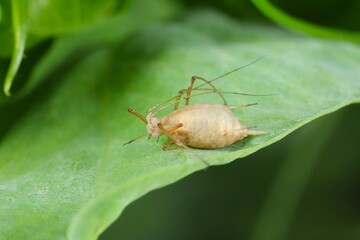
(170, 134)
(168, 143)
(179, 144)
(170, 130)
(190, 88)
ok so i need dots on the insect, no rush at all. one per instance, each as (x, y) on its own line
(199, 125)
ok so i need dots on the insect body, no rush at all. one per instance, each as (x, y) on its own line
(200, 125)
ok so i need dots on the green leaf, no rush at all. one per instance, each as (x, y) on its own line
(19, 23)
(51, 18)
(62, 160)
(42, 19)
(71, 48)
(299, 25)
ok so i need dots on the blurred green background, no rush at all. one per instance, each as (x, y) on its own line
(306, 186)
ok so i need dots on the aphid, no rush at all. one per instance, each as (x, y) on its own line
(199, 125)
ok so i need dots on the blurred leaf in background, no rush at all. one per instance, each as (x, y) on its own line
(51, 18)
(305, 26)
(331, 13)
(37, 20)
(62, 164)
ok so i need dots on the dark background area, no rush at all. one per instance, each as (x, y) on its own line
(330, 13)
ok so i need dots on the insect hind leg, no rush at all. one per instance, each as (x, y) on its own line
(190, 89)
(177, 100)
(183, 91)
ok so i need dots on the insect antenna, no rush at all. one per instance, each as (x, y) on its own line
(177, 101)
(143, 135)
(229, 92)
(161, 103)
(241, 106)
(212, 90)
(236, 69)
(199, 94)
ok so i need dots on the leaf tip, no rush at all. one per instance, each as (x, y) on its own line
(6, 89)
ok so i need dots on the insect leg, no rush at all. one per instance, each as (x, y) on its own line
(241, 106)
(171, 129)
(177, 101)
(178, 142)
(182, 92)
(168, 133)
(166, 145)
(169, 142)
(190, 88)
(141, 117)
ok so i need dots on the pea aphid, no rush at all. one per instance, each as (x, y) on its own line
(199, 125)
